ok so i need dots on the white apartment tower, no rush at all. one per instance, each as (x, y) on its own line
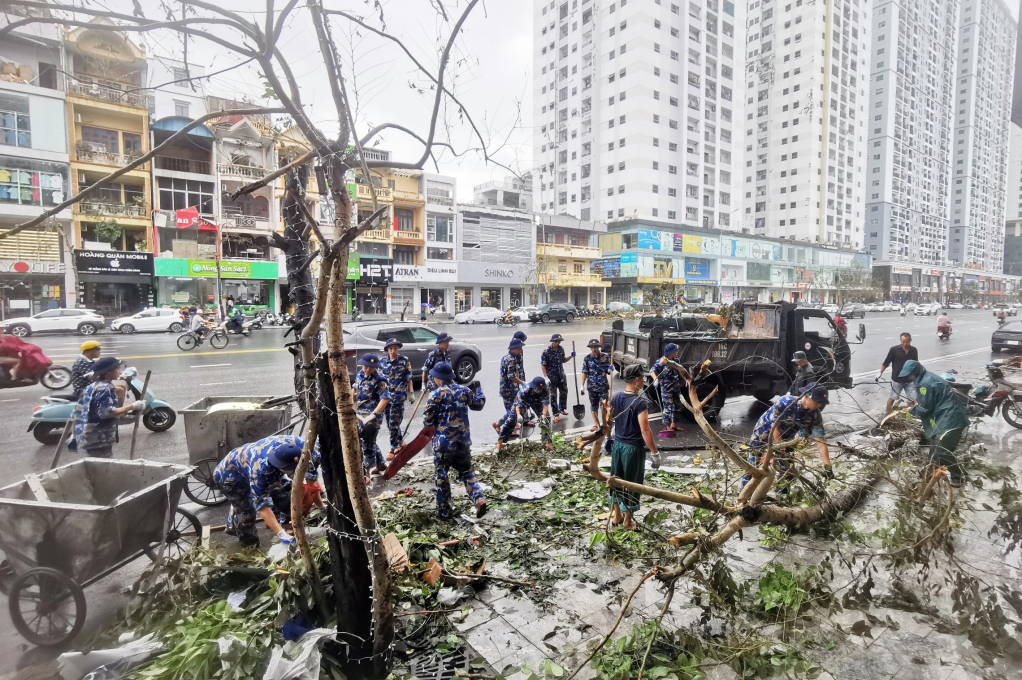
(910, 130)
(806, 108)
(982, 102)
(637, 103)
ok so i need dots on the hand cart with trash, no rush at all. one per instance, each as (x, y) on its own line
(216, 425)
(65, 529)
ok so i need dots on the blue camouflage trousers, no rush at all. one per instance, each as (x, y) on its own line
(372, 457)
(559, 393)
(395, 413)
(241, 518)
(459, 458)
(669, 401)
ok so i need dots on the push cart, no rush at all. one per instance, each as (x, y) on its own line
(65, 529)
(216, 425)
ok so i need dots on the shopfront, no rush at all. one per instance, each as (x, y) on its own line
(491, 285)
(114, 282)
(187, 283)
(30, 286)
(372, 288)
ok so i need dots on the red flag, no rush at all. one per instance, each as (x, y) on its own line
(187, 218)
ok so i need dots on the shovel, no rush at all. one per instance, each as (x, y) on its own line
(578, 410)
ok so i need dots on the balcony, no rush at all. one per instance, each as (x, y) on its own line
(182, 165)
(565, 280)
(90, 152)
(240, 221)
(111, 209)
(414, 196)
(108, 94)
(377, 235)
(440, 200)
(408, 237)
(560, 250)
(247, 172)
(365, 192)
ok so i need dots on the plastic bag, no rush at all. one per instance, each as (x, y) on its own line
(108, 664)
(298, 660)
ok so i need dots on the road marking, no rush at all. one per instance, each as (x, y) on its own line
(208, 365)
(229, 382)
(222, 352)
(4, 401)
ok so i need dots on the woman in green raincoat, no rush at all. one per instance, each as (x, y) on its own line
(942, 414)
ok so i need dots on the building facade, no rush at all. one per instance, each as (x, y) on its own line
(806, 72)
(905, 282)
(496, 257)
(567, 251)
(912, 83)
(983, 86)
(636, 107)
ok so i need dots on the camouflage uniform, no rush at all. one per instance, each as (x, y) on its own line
(528, 397)
(95, 426)
(596, 370)
(670, 388)
(510, 368)
(447, 412)
(369, 391)
(251, 483)
(397, 373)
(553, 360)
(432, 359)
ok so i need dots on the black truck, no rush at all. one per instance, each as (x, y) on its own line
(754, 356)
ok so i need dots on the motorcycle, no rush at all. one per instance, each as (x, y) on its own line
(944, 332)
(984, 400)
(903, 311)
(49, 418)
(507, 320)
(57, 377)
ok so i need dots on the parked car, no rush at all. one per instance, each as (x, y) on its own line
(556, 311)
(853, 310)
(83, 321)
(830, 308)
(1007, 309)
(1008, 336)
(618, 307)
(956, 305)
(479, 315)
(151, 319)
(418, 341)
(522, 313)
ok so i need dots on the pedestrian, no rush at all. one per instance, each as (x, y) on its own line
(422, 312)
(81, 369)
(447, 413)
(371, 399)
(254, 479)
(512, 375)
(552, 362)
(438, 354)
(791, 415)
(632, 436)
(595, 368)
(897, 356)
(532, 397)
(942, 415)
(805, 373)
(670, 385)
(95, 415)
(397, 371)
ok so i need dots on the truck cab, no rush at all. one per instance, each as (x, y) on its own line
(824, 344)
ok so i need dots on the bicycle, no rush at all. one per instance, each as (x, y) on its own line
(189, 340)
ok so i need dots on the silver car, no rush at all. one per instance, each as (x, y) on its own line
(418, 341)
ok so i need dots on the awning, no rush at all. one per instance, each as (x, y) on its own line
(175, 123)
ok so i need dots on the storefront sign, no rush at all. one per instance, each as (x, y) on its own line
(375, 272)
(437, 271)
(354, 259)
(229, 269)
(902, 270)
(114, 262)
(696, 269)
(187, 218)
(31, 267)
(609, 268)
(629, 264)
(691, 244)
(408, 272)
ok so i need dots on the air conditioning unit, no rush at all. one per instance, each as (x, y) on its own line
(78, 118)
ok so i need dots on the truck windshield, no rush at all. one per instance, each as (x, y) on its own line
(819, 329)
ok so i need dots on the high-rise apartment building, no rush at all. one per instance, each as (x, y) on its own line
(637, 107)
(807, 66)
(912, 84)
(982, 112)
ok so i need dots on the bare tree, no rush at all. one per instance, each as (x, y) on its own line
(361, 586)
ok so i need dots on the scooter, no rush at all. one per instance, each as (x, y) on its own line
(944, 332)
(49, 418)
(984, 400)
(507, 320)
(903, 311)
(57, 377)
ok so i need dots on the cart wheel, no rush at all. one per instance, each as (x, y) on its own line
(47, 607)
(200, 486)
(185, 532)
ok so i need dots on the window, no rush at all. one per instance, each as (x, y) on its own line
(178, 194)
(181, 109)
(14, 121)
(439, 228)
(439, 254)
(31, 182)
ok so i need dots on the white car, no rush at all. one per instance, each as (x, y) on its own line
(151, 319)
(522, 313)
(84, 321)
(479, 315)
(956, 305)
(831, 309)
(928, 309)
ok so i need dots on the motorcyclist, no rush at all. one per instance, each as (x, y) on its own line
(81, 370)
(235, 324)
(839, 321)
(943, 324)
(21, 360)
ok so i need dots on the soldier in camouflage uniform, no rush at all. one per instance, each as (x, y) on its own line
(447, 413)
(441, 353)
(397, 371)
(670, 385)
(512, 375)
(371, 399)
(254, 479)
(534, 397)
(595, 368)
(520, 335)
(552, 361)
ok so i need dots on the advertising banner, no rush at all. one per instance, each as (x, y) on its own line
(696, 269)
(732, 273)
(376, 271)
(629, 264)
(609, 268)
(354, 259)
(131, 263)
(691, 244)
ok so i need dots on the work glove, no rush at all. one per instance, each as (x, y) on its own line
(877, 379)
(572, 355)
(583, 391)
(285, 537)
(656, 461)
(138, 406)
(474, 385)
(365, 420)
(411, 397)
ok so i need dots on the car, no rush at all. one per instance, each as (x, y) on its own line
(1008, 336)
(853, 310)
(479, 315)
(150, 319)
(619, 307)
(1007, 309)
(830, 308)
(928, 309)
(554, 311)
(522, 313)
(956, 305)
(418, 341)
(83, 321)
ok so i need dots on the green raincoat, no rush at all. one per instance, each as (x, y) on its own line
(937, 405)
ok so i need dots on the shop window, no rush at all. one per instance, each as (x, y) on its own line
(490, 297)
(15, 129)
(25, 181)
(462, 299)
(439, 228)
(439, 254)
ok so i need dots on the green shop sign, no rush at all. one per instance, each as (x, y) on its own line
(354, 266)
(229, 269)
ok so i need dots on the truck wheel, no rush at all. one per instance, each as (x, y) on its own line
(712, 408)
(765, 397)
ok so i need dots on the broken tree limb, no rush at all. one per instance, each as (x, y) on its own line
(695, 407)
(798, 518)
(697, 501)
